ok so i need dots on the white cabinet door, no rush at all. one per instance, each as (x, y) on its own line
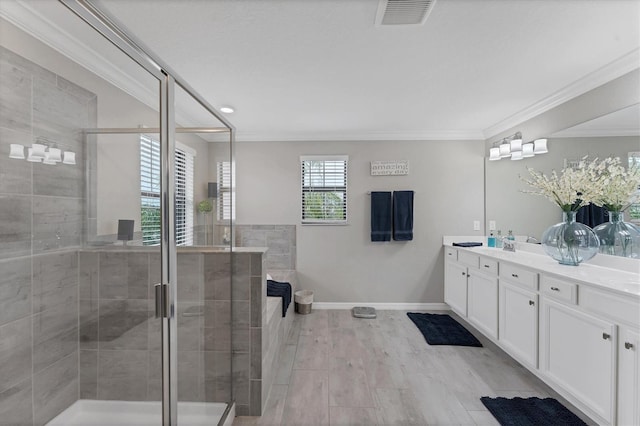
(518, 331)
(578, 354)
(629, 377)
(455, 287)
(483, 302)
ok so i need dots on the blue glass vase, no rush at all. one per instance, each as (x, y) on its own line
(617, 237)
(570, 242)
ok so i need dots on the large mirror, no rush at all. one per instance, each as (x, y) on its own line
(614, 134)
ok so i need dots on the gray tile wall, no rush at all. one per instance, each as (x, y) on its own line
(41, 227)
(120, 338)
(280, 239)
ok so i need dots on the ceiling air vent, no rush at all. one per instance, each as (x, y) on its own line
(403, 12)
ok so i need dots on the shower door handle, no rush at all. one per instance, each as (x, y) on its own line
(161, 291)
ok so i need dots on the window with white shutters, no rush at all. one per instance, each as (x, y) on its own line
(324, 189)
(226, 202)
(150, 192)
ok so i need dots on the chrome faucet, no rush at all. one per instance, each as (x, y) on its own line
(508, 245)
(533, 240)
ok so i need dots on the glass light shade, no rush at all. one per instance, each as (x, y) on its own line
(16, 151)
(31, 158)
(494, 154)
(527, 150)
(570, 242)
(37, 150)
(516, 155)
(48, 160)
(505, 150)
(516, 145)
(54, 154)
(540, 146)
(69, 157)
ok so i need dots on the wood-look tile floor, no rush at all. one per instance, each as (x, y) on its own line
(340, 370)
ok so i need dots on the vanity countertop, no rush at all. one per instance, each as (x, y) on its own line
(617, 280)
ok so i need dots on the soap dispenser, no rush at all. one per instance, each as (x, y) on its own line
(499, 239)
(510, 236)
(491, 240)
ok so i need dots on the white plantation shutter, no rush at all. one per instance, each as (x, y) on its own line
(150, 192)
(226, 203)
(184, 195)
(324, 189)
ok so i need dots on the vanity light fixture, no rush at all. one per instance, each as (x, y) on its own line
(513, 146)
(41, 153)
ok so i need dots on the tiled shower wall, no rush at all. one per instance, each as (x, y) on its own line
(120, 339)
(280, 239)
(41, 227)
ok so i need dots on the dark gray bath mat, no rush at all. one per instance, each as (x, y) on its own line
(441, 329)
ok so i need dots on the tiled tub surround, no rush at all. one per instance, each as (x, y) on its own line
(280, 239)
(41, 227)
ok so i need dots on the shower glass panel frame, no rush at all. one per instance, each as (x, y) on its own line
(166, 290)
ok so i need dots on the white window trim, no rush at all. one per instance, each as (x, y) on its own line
(325, 222)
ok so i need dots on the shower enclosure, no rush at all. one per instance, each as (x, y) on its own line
(115, 255)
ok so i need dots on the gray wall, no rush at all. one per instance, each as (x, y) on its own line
(41, 227)
(340, 263)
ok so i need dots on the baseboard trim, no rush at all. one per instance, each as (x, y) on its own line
(384, 306)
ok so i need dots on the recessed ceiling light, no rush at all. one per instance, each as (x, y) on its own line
(227, 109)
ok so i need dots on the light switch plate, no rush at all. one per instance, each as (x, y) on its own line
(476, 225)
(492, 225)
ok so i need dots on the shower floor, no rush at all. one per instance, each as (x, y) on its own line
(87, 412)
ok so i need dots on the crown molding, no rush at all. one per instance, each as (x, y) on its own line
(28, 19)
(611, 71)
(358, 136)
(596, 133)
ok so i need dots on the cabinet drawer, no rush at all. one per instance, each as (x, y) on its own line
(610, 305)
(516, 274)
(450, 253)
(489, 266)
(469, 259)
(560, 290)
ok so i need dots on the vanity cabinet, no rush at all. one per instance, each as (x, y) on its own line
(482, 290)
(628, 376)
(576, 328)
(518, 332)
(455, 287)
(578, 353)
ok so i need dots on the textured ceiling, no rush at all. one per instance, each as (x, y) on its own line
(321, 69)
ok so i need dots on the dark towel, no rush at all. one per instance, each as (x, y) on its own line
(467, 244)
(278, 289)
(403, 215)
(381, 216)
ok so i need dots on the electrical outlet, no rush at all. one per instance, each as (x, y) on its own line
(492, 225)
(476, 225)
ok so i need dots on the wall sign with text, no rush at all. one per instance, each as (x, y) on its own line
(389, 168)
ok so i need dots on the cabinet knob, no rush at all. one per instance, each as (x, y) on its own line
(514, 275)
(555, 289)
(464, 273)
(486, 266)
(628, 345)
(531, 303)
(606, 336)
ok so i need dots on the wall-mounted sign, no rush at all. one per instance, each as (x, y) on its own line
(389, 168)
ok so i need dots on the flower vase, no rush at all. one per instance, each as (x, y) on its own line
(570, 242)
(617, 237)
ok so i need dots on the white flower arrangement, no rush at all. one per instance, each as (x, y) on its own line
(606, 183)
(571, 189)
(617, 186)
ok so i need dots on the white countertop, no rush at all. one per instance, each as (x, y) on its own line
(621, 281)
